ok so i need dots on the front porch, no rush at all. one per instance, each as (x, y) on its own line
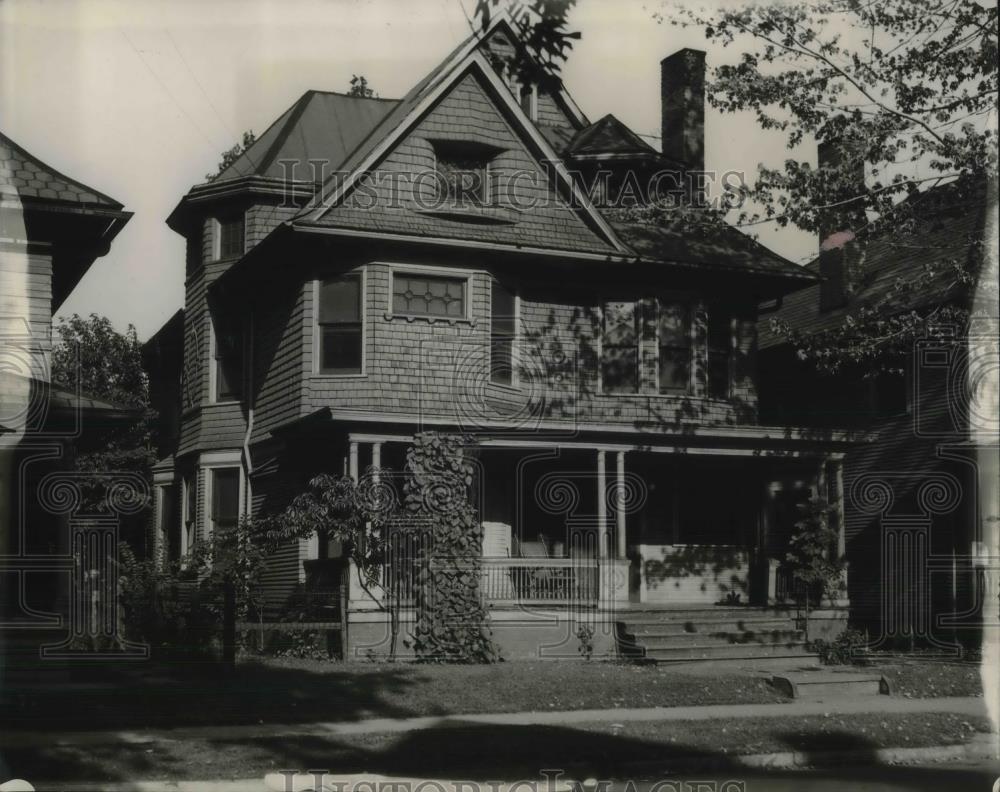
(582, 534)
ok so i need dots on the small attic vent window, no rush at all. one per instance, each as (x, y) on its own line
(463, 172)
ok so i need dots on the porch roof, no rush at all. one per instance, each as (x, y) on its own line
(747, 440)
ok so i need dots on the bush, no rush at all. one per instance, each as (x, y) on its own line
(848, 648)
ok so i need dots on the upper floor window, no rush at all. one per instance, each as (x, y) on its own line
(225, 489)
(429, 295)
(503, 316)
(231, 236)
(528, 95)
(674, 346)
(228, 363)
(340, 325)
(720, 349)
(620, 347)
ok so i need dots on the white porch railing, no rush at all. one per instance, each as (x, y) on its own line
(540, 581)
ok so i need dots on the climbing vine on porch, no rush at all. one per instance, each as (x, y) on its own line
(452, 623)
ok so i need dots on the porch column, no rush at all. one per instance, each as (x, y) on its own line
(352, 467)
(620, 510)
(602, 507)
(376, 460)
(837, 516)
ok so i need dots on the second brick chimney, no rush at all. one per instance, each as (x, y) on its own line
(682, 95)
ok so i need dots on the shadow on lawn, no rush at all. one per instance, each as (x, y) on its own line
(470, 751)
(91, 696)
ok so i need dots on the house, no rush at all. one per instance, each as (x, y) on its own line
(52, 228)
(919, 500)
(372, 268)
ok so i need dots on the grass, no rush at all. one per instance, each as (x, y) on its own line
(297, 691)
(480, 751)
(927, 678)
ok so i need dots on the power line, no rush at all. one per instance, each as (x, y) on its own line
(208, 99)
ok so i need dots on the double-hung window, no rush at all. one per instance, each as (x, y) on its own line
(225, 488)
(429, 295)
(232, 236)
(620, 347)
(674, 346)
(502, 331)
(340, 325)
(228, 362)
(189, 533)
(720, 346)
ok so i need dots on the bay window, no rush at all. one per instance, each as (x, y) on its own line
(720, 345)
(674, 346)
(428, 295)
(502, 330)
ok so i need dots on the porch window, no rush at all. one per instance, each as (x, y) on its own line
(620, 347)
(502, 330)
(225, 512)
(340, 325)
(428, 295)
(231, 236)
(674, 347)
(720, 345)
(228, 362)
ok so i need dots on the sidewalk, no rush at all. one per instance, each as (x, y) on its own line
(972, 706)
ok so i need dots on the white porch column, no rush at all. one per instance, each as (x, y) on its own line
(376, 460)
(620, 510)
(602, 507)
(352, 467)
(837, 515)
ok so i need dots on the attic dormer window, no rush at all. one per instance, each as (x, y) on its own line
(463, 173)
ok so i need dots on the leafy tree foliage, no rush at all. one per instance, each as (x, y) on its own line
(542, 27)
(359, 87)
(90, 355)
(231, 155)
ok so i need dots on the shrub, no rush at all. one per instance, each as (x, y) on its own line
(848, 648)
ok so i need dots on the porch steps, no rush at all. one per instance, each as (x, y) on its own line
(710, 633)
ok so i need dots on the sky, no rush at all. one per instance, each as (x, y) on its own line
(138, 98)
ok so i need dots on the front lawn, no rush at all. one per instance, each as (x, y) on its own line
(929, 678)
(297, 691)
(478, 751)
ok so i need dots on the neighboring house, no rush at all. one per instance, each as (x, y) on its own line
(52, 228)
(921, 500)
(371, 268)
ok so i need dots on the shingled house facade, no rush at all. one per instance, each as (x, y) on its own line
(344, 290)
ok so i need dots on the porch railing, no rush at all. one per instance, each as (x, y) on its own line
(540, 581)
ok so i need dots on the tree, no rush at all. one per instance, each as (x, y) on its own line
(359, 87)
(895, 87)
(94, 358)
(233, 154)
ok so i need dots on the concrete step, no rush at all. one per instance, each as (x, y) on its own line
(644, 627)
(650, 642)
(727, 651)
(824, 685)
(703, 611)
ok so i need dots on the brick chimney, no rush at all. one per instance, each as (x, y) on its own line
(837, 245)
(682, 97)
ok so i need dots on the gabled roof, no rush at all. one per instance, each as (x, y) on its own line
(409, 111)
(609, 136)
(24, 175)
(952, 224)
(321, 125)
